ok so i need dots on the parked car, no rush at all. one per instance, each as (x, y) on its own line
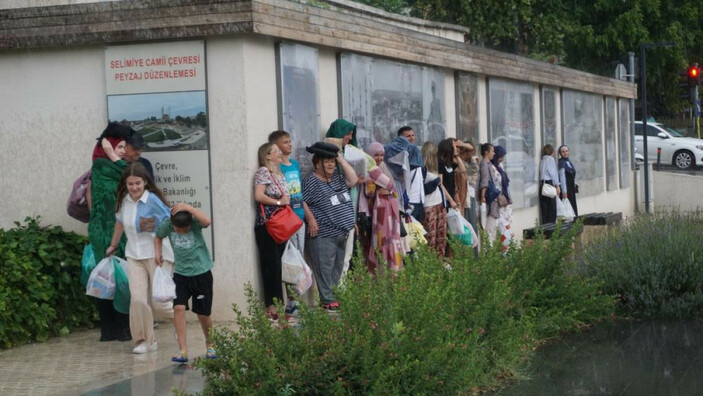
(639, 158)
(677, 150)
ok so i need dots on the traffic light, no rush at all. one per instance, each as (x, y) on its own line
(694, 75)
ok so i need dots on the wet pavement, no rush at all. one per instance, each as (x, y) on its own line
(79, 364)
(619, 358)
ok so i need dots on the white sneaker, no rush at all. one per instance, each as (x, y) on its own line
(141, 348)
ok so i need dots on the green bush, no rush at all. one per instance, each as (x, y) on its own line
(654, 264)
(428, 329)
(40, 290)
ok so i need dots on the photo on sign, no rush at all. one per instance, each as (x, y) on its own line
(167, 121)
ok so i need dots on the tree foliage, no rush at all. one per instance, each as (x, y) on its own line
(588, 35)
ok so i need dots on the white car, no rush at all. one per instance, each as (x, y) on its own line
(677, 150)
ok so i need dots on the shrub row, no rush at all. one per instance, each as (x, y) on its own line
(653, 264)
(434, 328)
(40, 290)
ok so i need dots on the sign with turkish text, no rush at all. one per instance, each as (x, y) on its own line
(159, 90)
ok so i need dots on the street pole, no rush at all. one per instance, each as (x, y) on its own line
(643, 80)
(631, 76)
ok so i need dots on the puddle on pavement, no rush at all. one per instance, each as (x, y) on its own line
(619, 358)
(184, 377)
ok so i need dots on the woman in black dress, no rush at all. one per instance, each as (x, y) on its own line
(567, 175)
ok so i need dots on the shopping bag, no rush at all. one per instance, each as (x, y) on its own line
(291, 264)
(416, 233)
(101, 283)
(163, 289)
(295, 270)
(358, 159)
(560, 208)
(304, 281)
(454, 222)
(506, 234)
(87, 263)
(461, 229)
(122, 294)
(568, 210)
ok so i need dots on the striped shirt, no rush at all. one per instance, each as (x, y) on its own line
(331, 204)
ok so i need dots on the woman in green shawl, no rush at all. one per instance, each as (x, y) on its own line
(106, 172)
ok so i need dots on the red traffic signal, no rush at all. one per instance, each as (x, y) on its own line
(694, 75)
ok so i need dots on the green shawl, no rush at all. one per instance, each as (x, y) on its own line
(340, 128)
(105, 177)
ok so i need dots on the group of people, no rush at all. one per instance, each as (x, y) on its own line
(562, 177)
(370, 196)
(131, 218)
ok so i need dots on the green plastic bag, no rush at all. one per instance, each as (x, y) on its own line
(87, 263)
(122, 295)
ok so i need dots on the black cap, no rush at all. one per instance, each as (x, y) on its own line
(136, 140)
(324, 150)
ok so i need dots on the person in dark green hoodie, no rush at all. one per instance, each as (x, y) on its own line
(343, 129)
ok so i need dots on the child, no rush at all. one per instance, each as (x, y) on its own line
(141, 207)
(192, 274)
(290, 169)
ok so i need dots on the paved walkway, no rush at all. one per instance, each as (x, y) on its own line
(79, 364)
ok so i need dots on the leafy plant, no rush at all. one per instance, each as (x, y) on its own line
(654, 264)
(40, 290)
(436, 327)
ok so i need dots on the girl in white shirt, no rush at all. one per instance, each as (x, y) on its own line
(141, 207)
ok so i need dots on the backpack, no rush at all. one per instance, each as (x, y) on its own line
(77, 206)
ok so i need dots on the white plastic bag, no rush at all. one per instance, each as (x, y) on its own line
(461, 228)
(560, 208)
(163, 289)
(506, 234)
(454, 223)
(357, 159)
(101, 283)
(568, 210)
(295, 270)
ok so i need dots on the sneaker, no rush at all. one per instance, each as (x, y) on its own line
(152, 347)
(292, 310)
(180, 357)
(333, 306)
(211, 354)
(143, 348)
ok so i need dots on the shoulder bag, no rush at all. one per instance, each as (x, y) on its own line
(283, 222)
(549, 190)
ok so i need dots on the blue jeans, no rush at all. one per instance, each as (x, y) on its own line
(327, 262)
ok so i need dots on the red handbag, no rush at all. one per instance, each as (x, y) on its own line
(283, 222)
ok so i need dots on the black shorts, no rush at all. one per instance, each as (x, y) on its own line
(199, 287)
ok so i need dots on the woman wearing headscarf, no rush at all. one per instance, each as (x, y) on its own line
(498, 208)
(380, 199)
(105, 176)
(327, 195)
(567, 177)
(341, 133)
(548, 174)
